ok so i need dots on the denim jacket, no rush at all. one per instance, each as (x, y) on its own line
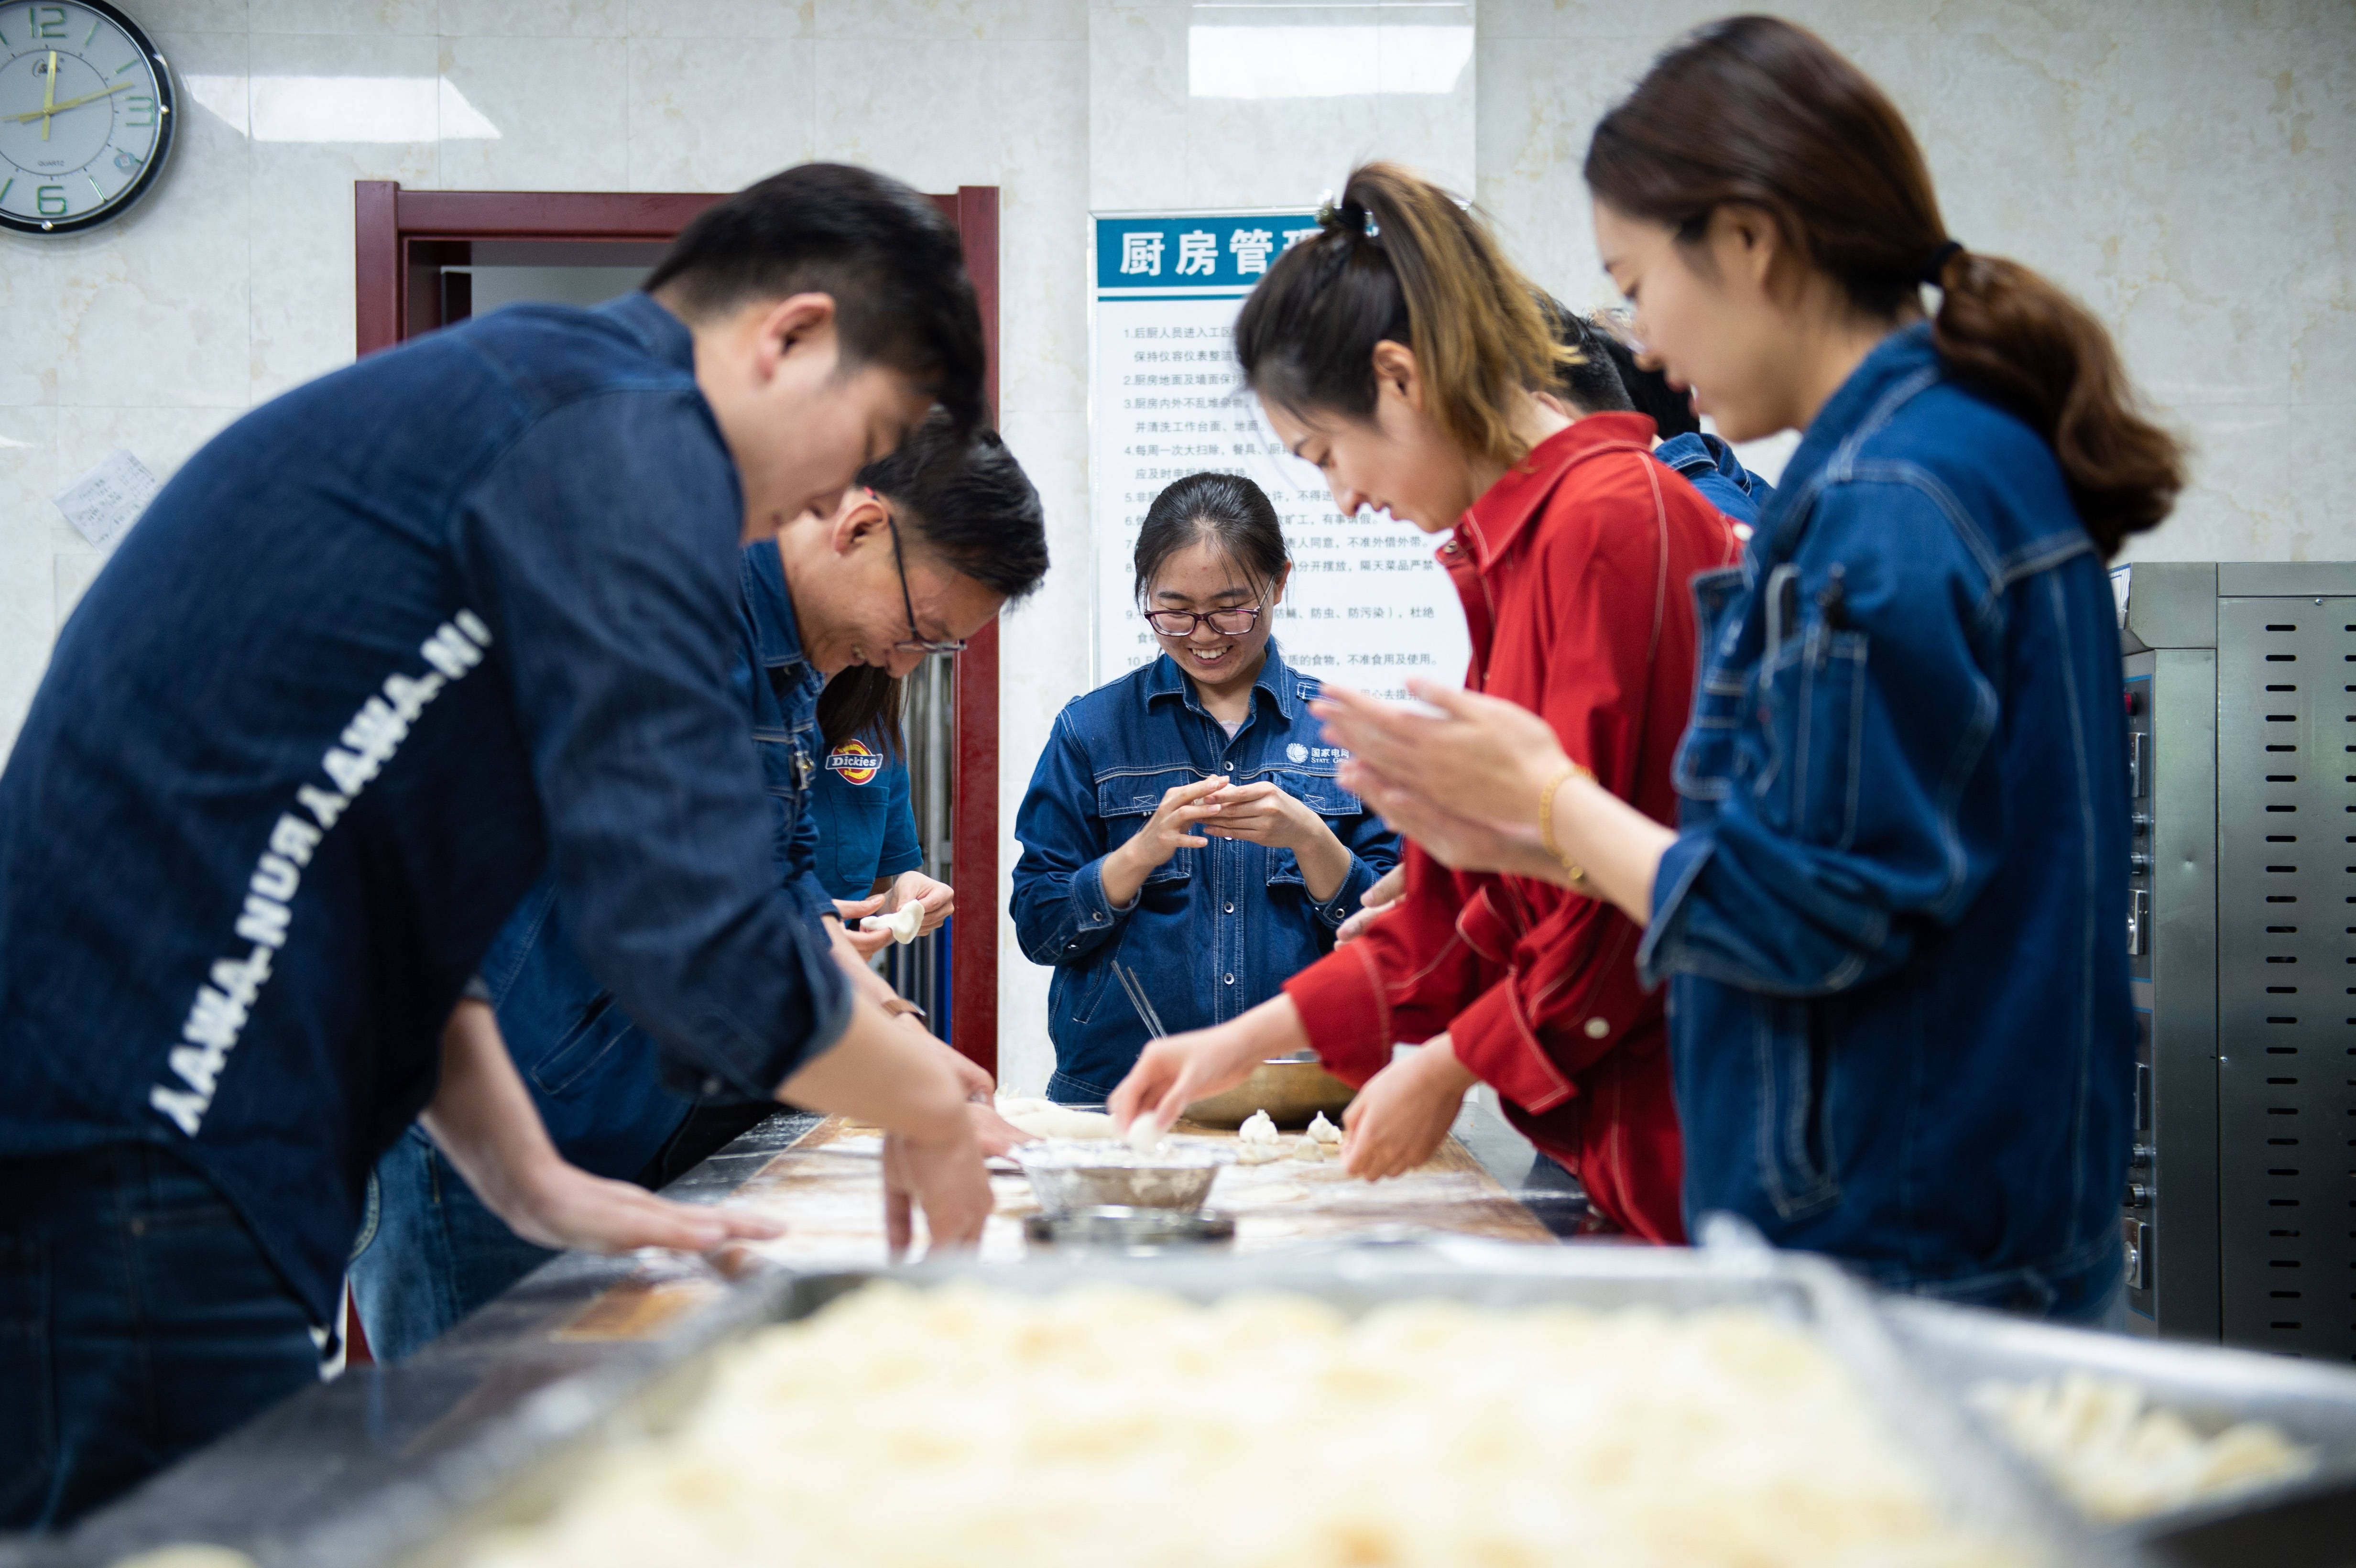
(596, 1077)
(1892, 917)
(385, 649)
(1710, 466)
(866, 826)
(1212, 930)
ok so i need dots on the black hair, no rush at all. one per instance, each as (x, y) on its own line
(1225, 509)
(1650, 391)
(861, 703)
(892, 262)
(967, 502)
(1583, 373)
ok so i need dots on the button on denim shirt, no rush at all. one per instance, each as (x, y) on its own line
(598, 1077)
(1212, 930)
(381, 653)
(1894, 919)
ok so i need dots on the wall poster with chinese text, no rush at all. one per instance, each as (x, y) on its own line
(1368, 603)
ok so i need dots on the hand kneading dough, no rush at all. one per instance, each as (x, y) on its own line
(1001, 1429)
(1045, 1119)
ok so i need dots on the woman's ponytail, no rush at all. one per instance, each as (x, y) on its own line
(1397, 257)
(2031, 347)
(1757, 113)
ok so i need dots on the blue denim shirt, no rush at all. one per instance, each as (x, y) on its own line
(1710, 466)
(866, 829)
(598, 1077)
(381, 651)
(1893, 914)
(1212, 930)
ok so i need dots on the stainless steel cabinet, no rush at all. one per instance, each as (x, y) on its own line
(2239, 1215)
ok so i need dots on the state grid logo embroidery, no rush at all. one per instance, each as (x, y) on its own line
(854, 763)
(1297, 753)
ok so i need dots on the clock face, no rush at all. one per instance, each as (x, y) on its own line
(85, 115)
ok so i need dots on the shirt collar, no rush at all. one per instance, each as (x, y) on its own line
(1505, 508)
(651, 322)
(1163, 678)
(777, 635)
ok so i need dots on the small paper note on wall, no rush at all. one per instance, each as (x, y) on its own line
(107, 500)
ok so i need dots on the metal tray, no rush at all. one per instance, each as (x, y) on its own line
(2309, 1523)
(1981, 1482)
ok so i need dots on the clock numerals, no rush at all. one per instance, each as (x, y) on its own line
(47, 21)
(139, 103)
(49, 200)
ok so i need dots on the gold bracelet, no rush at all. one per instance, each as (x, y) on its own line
(1546, 821)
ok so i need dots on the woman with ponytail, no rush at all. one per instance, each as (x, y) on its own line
(1401, 353)
(1892, 917)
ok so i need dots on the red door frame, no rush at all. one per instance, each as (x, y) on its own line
(401, 235)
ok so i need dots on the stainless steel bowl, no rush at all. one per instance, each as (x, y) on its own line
(1131, 1233)
(1065, 1180)
(1292, 1090)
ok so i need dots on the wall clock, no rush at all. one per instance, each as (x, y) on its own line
(85, 115)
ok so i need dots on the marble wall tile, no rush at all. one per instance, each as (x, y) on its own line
(560, 107)
(971, 21)
(302, 185)
(200, 17)
(151, 309)
(28, 479)
(718, 113)
(411, 16)
(534, 18)
(721, 18)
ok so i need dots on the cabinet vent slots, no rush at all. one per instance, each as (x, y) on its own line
(2286, 1007)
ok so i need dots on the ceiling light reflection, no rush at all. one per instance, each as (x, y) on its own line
(343, 108)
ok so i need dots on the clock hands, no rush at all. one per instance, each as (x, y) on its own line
(49, 95)
(46, 109)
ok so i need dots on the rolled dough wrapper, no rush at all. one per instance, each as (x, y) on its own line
(1045, 1119)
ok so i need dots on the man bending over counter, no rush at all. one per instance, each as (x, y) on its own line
(381, 651)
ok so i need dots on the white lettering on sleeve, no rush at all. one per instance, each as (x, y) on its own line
(294, 838)
(321, 804)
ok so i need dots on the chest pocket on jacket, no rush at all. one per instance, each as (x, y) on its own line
(1811, 729)
(1323, 795)
(1704, 761)
(1127, 801)
(789, 769)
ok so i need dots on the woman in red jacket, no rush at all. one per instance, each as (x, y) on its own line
(1401, 353)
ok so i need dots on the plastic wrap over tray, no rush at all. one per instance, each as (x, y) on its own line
(2305, 1522)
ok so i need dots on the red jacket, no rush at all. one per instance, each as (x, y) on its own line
(1573, 569)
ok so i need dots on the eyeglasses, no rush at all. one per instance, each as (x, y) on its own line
(917, 642)
(1181, 623)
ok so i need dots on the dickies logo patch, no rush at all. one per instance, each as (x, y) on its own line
(854, 762)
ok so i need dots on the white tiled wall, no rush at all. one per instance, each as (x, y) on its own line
(2187, 165)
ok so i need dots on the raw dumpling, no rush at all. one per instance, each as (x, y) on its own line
(1259, 1143)
(903, 922)
(1324, 1131)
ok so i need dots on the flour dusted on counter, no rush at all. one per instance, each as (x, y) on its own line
(996, 1429)
(2118, 1459)
(1045, 1119)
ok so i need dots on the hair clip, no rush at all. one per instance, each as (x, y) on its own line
(1374, 230)
(1327, 214)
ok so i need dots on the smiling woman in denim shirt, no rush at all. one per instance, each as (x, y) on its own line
(1891, 918)
(1184, 820)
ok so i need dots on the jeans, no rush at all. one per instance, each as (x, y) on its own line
(139, 1320)
(430, 1253)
